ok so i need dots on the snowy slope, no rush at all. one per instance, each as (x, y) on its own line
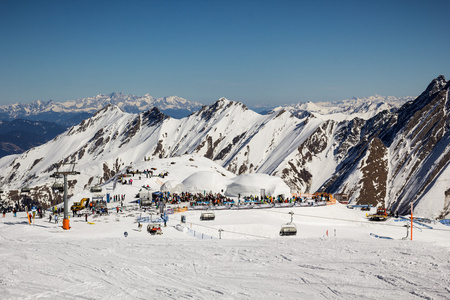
(332, 257)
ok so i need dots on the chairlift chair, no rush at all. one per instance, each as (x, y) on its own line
(96, 189)
(25, 190)
(288, 229)
(1, 191)
(207, 216)
(58, 186)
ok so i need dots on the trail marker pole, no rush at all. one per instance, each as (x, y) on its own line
(411, 219)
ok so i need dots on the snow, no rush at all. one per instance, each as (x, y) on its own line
(348, 109)
(331, 257)
(251, 184)
(205, 181)
(129, 103)
(251, 261)
(173, 186)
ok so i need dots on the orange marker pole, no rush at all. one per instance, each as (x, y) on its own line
(66, 225)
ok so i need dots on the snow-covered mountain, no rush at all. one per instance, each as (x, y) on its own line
(401, 157)
(364, 108)
(389, 159)
(173, 105)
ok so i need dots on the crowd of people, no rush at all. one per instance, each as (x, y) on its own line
(147, 172)
(217, 199)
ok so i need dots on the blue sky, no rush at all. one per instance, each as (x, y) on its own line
(255, 52)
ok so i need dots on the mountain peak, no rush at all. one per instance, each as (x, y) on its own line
(115, 95)
(106, 109)
(435, 86)
(154, 116)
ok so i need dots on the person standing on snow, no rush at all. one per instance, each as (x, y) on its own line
(56, 219)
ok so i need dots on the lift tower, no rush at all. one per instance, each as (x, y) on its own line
(66, 169)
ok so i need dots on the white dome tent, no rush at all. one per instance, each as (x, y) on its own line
(205, 181)
(173, 186)
(252, 184)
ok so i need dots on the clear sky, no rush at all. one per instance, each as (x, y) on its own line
(272, 52)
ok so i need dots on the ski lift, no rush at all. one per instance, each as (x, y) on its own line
(289, 228)
(96, 189)
(25, 190)
(1, 191)
(58, 187)
(207, 216)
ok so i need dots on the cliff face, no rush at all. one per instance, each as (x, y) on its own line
(410, 156)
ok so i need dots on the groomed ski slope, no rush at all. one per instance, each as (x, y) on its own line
(251, 261)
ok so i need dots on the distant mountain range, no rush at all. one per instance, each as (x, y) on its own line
(364, 108)
(70, 113)
(397, 156)
(60, 116)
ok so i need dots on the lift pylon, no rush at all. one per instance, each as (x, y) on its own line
(66, 169)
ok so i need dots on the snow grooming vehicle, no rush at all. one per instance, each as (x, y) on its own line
(380, 215)
(289, 228)
(207, 216)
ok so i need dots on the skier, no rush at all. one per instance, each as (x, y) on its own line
(50, 218)
(56, 219)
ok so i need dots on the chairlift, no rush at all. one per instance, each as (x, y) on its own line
(288, 229)
(96, 189)
(207, 216)
(25, 190)
(58, 187)
(1, 191)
